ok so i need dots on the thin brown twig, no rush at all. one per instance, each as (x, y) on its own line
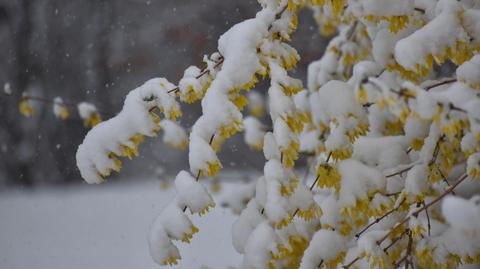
(415, 214)
(444, 178)
(352, 262)
(436, 150)
(456, 108)
(328, 157)
(428, 218)
(440, 84)
(448, 191)
(314, 182)
(392, 193)
(206, 70)
(385, 249)
(377, 220)
(409, 251)
(400, 172)
(278, 16)
(421, 10)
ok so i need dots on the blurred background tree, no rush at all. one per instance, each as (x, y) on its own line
(97, 51)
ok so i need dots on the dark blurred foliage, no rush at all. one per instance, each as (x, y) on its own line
(96, 51)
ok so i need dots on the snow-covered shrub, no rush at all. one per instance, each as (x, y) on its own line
(389, 138)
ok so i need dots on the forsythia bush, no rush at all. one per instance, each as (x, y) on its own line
(390, 137)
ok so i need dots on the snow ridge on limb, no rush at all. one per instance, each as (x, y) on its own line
(121, 135)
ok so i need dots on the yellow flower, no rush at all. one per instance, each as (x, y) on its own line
(92, 120)
(290, 154)
(349, 59)
(256, 147)
(328, 177)
(393, 127)
(283, 222)
(295, 123)
(417, 143)
(311, 213)
(126, 151)
(378, 261)
(344, 227)
(362, 95)
(247, 86)
(164, 184)
(188, 236)
(173, 114)
(206, 209)
(217, 143)
(397, 23)
(453, 127)
(213, 168)
(290, 61)
(137, 139)
(191, 95)
(318, 2)
(25, 107)
(404, 73)
(417, 231)
(170, 261)
(227, 131)
(337, 6)
(216, 186)
(117, 164)
(287, 190)
(360, 129)
(331, 264)
(129, 150)
(341, 154)
(256, 111)
(474, 172)
(62, 111)
(291, 89)
(291, 252)
(155, 118)
(240, 101)
(182, 145)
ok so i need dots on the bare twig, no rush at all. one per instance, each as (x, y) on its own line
(377, 220)
(426, 206)
(400, 172)
(314, 182)
(428, 218)
(352, 262)
(392, 194)
(278, 16)
(328, 157)
(409, 251)
(440, 84)
(394, 242)
(444, 178)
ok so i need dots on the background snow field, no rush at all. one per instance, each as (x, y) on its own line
(102, 227)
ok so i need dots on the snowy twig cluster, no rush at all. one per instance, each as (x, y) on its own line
(389, 136)
(86, 111)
